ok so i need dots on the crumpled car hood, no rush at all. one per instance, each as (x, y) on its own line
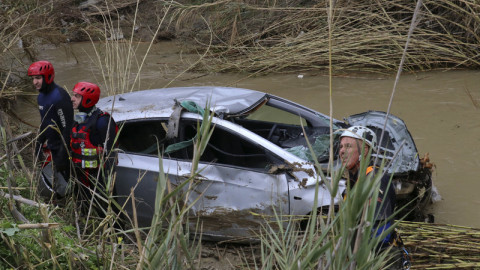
(397, 142)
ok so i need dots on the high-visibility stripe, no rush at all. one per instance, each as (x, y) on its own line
(369, 170)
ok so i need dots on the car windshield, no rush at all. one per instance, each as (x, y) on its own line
(289, 131)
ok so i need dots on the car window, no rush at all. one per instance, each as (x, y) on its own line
(271, 114)
(142, 136)
(226, 147)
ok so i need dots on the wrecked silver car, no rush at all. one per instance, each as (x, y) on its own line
(256, 161)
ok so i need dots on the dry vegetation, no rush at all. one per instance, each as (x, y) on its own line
(439, 246)
(266, 36)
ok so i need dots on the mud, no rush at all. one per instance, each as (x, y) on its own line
(229, 256)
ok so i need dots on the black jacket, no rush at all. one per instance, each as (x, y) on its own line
(56, 110)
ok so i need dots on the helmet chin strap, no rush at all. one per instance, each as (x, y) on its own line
(81, 108)
(85, 110)
(360, 154)
(359, 151)
(45, 86)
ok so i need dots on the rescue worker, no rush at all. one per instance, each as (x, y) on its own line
(355, 143)
(56, 114)
(92, 142)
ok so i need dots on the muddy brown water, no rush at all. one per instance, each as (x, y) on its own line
(438, 108)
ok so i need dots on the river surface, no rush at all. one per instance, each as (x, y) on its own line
(439, 108)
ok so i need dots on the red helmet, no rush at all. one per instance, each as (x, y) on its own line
(90, 93)
(44, 68)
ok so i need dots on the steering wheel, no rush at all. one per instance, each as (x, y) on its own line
(270, 133)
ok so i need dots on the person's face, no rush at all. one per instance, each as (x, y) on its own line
(37, 81)
(350, 151)
(76, 100)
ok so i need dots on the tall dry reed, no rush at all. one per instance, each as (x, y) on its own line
(270, 37)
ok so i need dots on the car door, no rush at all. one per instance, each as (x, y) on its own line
(139, 142)
(233, 192)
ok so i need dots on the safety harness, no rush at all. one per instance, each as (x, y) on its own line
(84, 154)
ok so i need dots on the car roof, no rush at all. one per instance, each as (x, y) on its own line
(159, 102)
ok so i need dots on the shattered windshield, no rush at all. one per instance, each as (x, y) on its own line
(290, 131)
(320, 147)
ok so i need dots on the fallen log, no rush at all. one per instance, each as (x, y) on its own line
(38, 226)
(23, 200)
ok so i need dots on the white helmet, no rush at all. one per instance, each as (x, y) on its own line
(362, 133)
